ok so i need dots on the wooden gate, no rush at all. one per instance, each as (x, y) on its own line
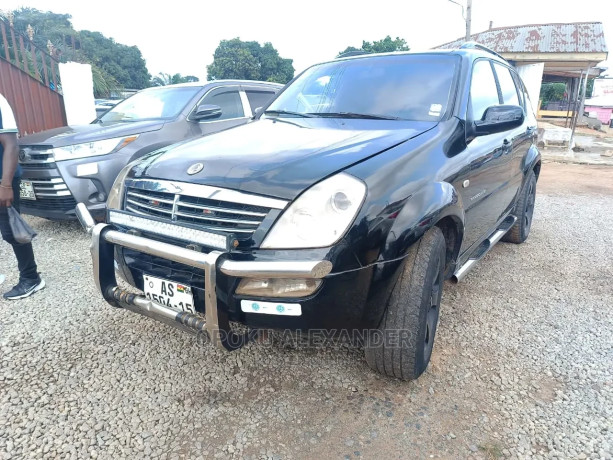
(29, 80)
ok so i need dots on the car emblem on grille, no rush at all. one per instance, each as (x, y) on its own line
(22, 155)
(195, 169)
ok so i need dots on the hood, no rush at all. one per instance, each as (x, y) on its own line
(278, 157)
(70, 135)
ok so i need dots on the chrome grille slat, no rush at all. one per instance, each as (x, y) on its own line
(58, 193)
(219, 210)
(136, 211)
(226, 210)
(148, 198)
(52, 187)
(150, 207)
(218, 219)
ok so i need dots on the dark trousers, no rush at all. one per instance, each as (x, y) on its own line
(23, 252)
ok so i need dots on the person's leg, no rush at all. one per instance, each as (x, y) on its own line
(24, 252)
(29, 281)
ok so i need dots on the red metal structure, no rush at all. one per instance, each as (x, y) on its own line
(29, 79)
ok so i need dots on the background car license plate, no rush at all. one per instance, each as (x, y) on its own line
(26, 190)
(169, 293)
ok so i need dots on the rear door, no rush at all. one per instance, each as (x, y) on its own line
(232, 109)
(519, 139)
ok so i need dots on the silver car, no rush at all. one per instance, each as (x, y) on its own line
(63, 166)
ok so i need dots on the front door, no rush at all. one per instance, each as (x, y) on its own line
(232, 110)
(484, 193)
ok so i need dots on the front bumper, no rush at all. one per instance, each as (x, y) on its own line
(216, 323)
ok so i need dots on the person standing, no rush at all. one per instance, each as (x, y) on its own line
(10, 173)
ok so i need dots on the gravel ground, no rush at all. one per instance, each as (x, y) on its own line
(522, 366)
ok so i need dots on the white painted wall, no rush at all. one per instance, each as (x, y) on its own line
(532, 76)
(78, 90)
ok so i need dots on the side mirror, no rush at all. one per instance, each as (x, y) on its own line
(498, 118)
(258, 111)
(206, 112)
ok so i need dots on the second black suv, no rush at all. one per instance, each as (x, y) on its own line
(365, 184)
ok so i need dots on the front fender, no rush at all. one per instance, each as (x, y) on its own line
(423, 210)
(434, 203)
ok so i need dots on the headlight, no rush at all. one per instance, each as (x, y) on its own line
(116, 193)
(320, 216)
(92, 149)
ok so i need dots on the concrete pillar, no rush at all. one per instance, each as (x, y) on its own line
(532, 76)
(78, 90)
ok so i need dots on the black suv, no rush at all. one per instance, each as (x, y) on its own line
(343, 206)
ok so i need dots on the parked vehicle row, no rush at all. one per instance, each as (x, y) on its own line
(343, 206)
(73, 164)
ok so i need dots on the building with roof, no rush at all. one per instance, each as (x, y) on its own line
(568, 53)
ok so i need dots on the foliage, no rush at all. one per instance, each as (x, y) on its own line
(113, 65)
(590, 88)
(236, 59)
(163, 79)
(386, 45)
(552, 92)
(122, 62)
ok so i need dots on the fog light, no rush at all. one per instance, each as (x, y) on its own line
(277, 287)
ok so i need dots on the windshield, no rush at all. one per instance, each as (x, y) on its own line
(409, 87)
(151, 104)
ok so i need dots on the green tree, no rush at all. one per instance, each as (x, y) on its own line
(114, 65)
(590, 88)
(386, 45)
(163, 79)
(236, 59)
(552, 92)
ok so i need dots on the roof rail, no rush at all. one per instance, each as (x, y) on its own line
(478, 46)
(352, 53)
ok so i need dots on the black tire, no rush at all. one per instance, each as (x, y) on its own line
(412, 313)
(524, 208)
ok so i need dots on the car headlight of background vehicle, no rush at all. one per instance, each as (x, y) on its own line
(92, 149)
(320, 216)
(116, 193)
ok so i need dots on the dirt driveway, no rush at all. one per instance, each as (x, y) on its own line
(522, 366)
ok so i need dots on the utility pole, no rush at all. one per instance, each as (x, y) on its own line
(469, 7)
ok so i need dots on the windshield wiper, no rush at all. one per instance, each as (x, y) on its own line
(288, 112)
(363, 116)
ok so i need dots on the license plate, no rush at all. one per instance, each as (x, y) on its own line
(26, 190)
(169, 293)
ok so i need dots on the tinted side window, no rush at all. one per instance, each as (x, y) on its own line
(483, 90)
(507, 85)
(229, 101)
(258, 98)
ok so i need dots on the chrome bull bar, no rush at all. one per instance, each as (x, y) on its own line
(216, 326)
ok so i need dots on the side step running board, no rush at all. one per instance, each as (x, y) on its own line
(484, 248)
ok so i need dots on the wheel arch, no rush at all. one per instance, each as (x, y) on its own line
(437, 204)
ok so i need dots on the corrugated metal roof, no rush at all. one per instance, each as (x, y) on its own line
(579, 37)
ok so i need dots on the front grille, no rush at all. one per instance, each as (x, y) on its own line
(36, 157)
(52, 187)
(51, 194)
(240, 219)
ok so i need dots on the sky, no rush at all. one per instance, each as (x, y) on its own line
(180, 36)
